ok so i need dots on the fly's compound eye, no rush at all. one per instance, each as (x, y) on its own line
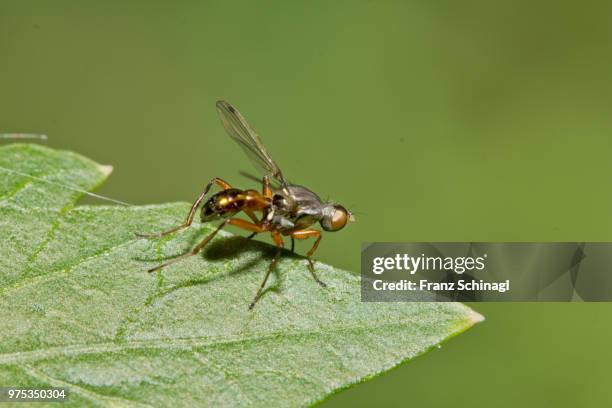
(335, 217)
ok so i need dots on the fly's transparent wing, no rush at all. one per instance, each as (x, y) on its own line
(243, 134)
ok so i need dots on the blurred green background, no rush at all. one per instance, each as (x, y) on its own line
(433, 121)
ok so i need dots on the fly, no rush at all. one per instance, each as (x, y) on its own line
(284, 209)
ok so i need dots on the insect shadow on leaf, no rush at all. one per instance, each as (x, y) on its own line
(228, 248)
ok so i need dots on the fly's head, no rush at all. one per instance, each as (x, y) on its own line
(335, 217)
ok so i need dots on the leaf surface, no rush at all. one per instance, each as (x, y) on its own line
(80, 311)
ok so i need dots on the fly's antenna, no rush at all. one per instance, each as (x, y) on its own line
(23, 136)
(356, 212)
(67, 186)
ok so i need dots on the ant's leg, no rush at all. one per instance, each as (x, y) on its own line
(292, 244)
(192, 211)
(195, 250)
(303, 234)
(251, 236)
(279, 243)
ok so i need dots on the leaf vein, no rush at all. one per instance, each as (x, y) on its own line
(186, 343)
(43, 278)
(95, 397)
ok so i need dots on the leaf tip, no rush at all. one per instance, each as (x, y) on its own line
(106, 169)
(475, 317)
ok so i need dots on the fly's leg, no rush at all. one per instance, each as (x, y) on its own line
(195, 250)
(292, 241)
(279, 243)
(236, 222)
(192, 211)
(266, 191)
(256, 230)
(249, 226)
(304, 234)
(251, 215)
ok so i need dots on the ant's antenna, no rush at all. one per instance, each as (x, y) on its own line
(67, 186)
(23, 136)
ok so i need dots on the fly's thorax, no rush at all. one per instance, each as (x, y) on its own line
(294, 207)
(295, 201)
(282, 203)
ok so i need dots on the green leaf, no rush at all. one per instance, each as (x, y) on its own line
(80, 311)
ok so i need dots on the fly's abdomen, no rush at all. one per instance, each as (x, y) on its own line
(223, 204)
